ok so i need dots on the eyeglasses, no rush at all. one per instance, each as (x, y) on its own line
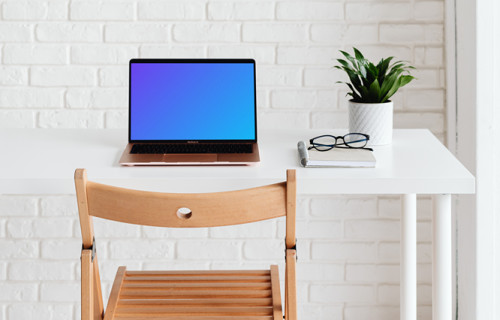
(349, 141)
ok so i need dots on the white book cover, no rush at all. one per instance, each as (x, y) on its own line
(336, 157)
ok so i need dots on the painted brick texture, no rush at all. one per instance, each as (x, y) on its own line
(49, 47)
(64, 64)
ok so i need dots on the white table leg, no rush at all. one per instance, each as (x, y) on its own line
(408, 278)
(441, 258)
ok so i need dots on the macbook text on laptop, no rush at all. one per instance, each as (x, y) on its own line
(192, 112)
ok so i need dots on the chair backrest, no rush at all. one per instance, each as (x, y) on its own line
(189, 210)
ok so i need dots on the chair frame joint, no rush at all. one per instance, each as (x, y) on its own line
(93, 248)
(292, 248)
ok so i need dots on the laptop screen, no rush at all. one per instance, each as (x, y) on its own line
(202, 99)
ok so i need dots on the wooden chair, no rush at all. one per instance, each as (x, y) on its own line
(187, 295)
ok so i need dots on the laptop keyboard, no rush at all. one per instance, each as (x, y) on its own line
(162, 148)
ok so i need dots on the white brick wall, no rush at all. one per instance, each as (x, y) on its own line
(63, 64)
(60, 44)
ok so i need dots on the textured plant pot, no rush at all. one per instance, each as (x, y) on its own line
(374, 119)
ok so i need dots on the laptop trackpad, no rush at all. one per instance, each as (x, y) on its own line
(209, 157)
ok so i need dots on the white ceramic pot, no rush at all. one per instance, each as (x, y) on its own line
(374, 119)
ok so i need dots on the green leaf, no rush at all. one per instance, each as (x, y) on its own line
(387, 84)
(392, 90)
(400, 65)
(351, 59)
(392, 78)
(374, 92)
(358, 54)
(382, 67)
(362, 70)
(346, 70)
(373, 72)
(405, 79)
(364, 93)
(395, 63)
(384, 63)
(353, 77)
(354, 94)
(344, 63)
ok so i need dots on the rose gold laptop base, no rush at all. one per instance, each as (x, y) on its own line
(190, 159)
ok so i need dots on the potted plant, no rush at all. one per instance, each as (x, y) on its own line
(370, 110)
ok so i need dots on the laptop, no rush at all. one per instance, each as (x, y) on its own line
(192, 112)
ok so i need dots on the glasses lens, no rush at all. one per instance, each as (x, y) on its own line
(323, 143)
(355, 140)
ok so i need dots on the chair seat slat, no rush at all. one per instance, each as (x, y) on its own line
(200, 294)
(203, 278)
(198, 272)
(197, 302)
(192, 317)
(205, 310)
(191, 286)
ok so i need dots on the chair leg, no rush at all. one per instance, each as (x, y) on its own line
(98, 303)
(87, 286)
(291, 286)
(286, 294)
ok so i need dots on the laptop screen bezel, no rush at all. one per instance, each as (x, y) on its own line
(252, 61)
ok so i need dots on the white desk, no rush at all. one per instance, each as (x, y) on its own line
(43, 161)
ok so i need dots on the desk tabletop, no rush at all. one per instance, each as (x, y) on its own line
(42, 161)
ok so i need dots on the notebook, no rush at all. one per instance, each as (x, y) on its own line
(336, 157)
(192, 112)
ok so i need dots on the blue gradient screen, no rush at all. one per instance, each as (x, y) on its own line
(192, 101)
